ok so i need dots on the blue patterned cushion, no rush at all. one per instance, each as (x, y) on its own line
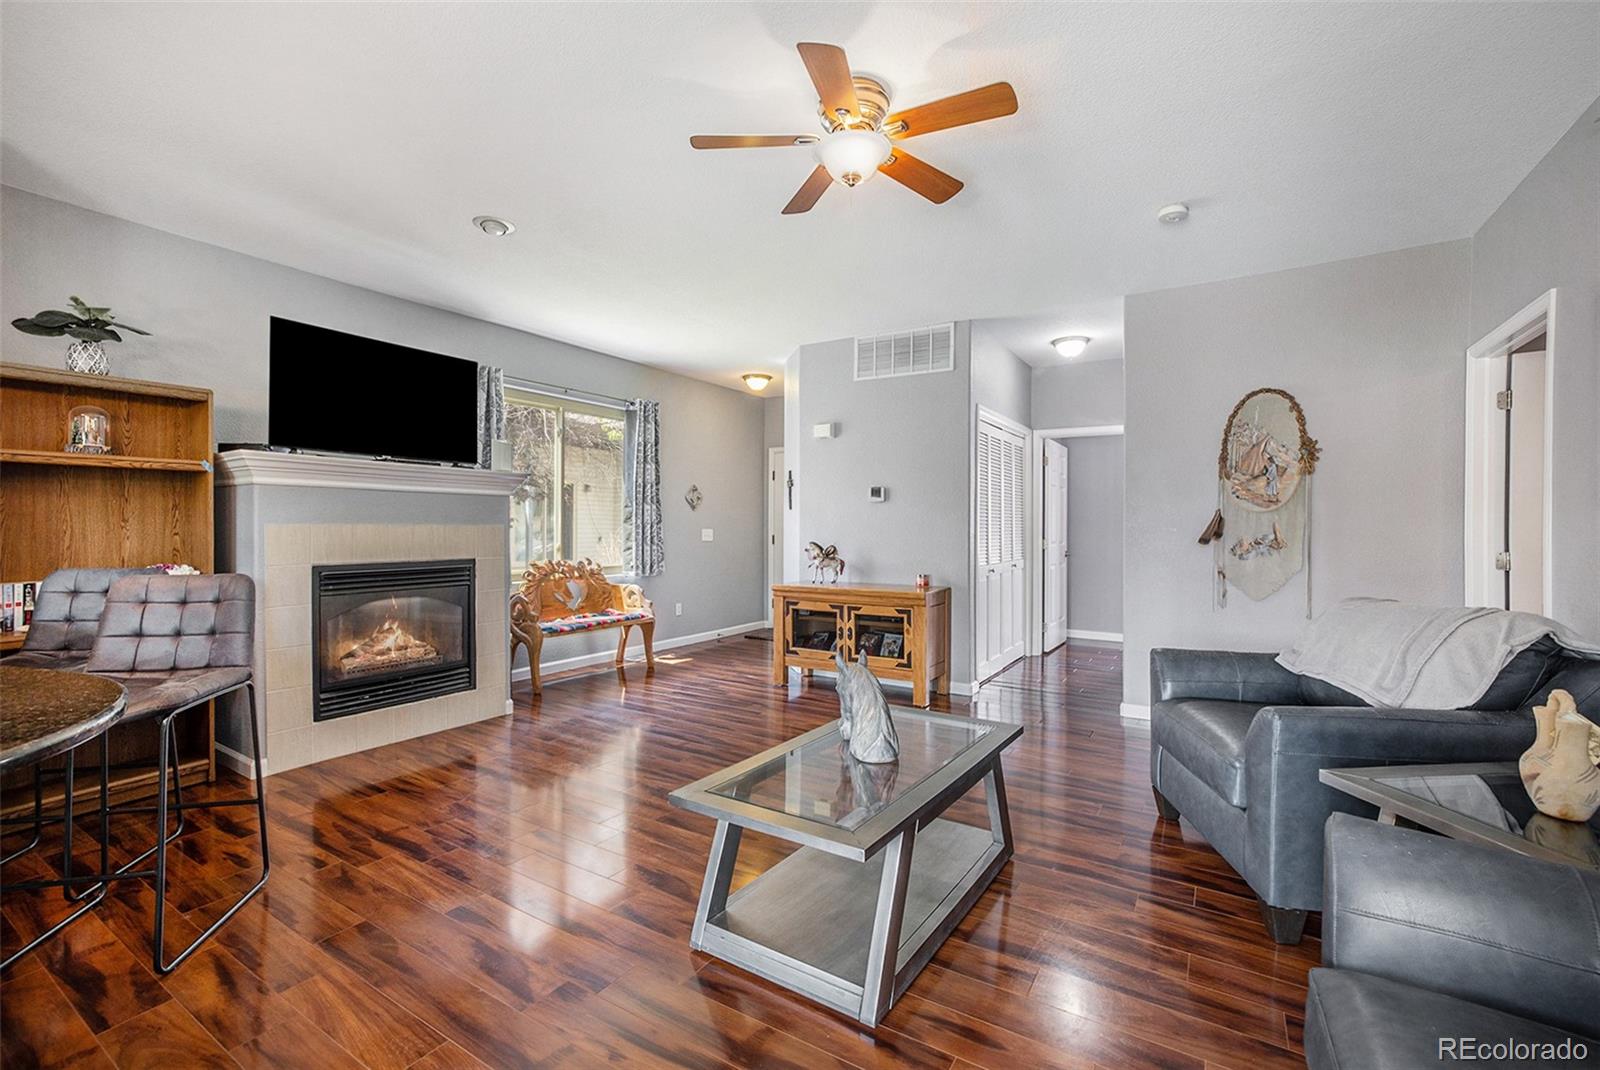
(583, 622)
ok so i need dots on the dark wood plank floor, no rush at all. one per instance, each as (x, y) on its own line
(519, 893)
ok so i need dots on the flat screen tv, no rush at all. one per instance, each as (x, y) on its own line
(332, 392)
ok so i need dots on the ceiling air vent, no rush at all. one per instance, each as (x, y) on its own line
(914, 352)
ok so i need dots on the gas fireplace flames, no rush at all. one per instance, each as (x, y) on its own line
(389, 646)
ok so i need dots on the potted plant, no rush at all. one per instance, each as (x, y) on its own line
(89, 327)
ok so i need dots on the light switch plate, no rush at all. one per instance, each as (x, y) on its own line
(705, 534)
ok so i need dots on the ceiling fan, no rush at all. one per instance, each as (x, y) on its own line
(861, 135)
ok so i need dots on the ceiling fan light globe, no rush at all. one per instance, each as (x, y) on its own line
(852, 156)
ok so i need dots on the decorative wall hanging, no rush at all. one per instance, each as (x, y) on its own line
(1261, 531)
(693, 497)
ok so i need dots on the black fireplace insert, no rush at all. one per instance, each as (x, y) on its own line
(387, 634)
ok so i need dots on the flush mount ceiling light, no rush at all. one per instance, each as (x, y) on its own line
(1071, 346)
(493, 226)
(1173, 213)
(757, 380)
(857, 125)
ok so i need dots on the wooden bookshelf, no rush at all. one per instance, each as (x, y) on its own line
(149, 500)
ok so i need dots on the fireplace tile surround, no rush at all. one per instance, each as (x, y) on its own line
(293, 737)
(280, 517)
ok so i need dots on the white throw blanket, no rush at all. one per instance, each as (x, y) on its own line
(1399, 655)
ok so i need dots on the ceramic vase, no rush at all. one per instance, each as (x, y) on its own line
(1559, 771)
(88, 358)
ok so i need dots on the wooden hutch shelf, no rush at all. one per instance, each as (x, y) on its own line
(905, 631)
(103, 460)
(147, 501)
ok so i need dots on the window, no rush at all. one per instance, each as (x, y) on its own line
(571, 507)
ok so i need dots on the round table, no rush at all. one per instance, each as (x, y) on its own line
(44, 712)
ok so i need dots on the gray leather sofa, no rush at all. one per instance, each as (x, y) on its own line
(1236, 742)
(1435, 951)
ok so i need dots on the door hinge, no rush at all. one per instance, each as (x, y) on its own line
(1502, 561)
(1502, 401)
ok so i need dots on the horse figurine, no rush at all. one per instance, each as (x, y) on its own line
(825, 560)
(864, 713)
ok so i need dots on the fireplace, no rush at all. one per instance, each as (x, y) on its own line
(387, 634)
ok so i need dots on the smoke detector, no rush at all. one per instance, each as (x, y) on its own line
(1173, 213)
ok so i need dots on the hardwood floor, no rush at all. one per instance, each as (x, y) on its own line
(519, 893)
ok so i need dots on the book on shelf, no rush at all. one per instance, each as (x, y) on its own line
(16, 606)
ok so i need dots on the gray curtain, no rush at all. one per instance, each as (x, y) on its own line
(491, 412)
(643, 476)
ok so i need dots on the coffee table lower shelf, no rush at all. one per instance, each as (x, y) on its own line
(812, 922)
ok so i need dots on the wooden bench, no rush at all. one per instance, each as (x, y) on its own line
(574, 597)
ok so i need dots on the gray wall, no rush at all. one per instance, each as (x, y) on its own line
(1547, 235)
(1094, 533)
(1087, 394)
(1373, 349)
(772, 417)
(1001, 381)
(208, 309)
(911, 434)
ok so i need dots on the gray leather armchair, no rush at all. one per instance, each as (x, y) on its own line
(1236, 742)
(1430, 945)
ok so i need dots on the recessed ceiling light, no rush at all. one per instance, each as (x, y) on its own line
(1173, 213)
(493, 226)
(757, 380)
(1071, 346)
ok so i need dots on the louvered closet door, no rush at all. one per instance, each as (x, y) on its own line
(1000, 602)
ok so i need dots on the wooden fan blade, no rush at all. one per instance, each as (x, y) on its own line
(830, 73)
(807, 196)
(924, 178)
(973, 106)
(750, 141)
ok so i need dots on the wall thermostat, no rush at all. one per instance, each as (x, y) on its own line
(877, 494)
(824, 430)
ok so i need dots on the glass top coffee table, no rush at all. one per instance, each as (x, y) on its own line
(880, 878)
(1485, 803)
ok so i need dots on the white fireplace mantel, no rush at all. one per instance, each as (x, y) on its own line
(242, 468)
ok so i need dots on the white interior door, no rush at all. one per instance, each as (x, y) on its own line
(1525, 503)
(1000, 540)
(1055, 571)
(775, 490)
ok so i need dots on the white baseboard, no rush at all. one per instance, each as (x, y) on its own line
(964, 690)
(1104, 637)
(605, 657)
(1135, 712)
(238, 762)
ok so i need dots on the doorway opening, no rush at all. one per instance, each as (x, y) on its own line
(1510, 456)
(1078, 474)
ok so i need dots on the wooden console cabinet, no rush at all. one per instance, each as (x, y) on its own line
(904, 629)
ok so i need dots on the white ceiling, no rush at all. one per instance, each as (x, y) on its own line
(357, 141)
